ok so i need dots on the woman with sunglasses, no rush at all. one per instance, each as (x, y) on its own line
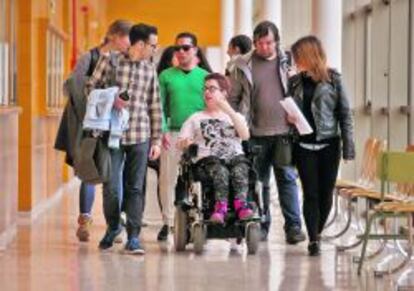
(218, 132)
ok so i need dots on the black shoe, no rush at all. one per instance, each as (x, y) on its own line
(294, 236)
(314, 248)
(108, 240)
(163, 234)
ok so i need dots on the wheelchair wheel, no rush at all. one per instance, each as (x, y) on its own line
(180, 229)
(252, 237)
(199, 238)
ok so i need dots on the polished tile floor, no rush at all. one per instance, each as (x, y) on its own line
(47, 256)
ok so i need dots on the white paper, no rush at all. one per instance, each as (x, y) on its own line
(293, 110)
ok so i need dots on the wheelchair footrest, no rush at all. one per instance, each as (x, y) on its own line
(229, 230)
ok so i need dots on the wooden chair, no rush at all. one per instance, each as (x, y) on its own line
(348, 184)
(366, 181)
(394, 168)
(368, 157)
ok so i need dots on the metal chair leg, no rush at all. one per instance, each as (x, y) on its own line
(342, 248)
(400, 248)
(335, 214)
(383, 242)
(365, 243)
(405, 276)
(407, 258)
(347, 225)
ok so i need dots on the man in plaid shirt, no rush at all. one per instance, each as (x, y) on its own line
(134, 74)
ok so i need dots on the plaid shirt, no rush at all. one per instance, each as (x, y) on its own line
(139, 79)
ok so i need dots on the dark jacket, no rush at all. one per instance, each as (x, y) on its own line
(330, 109)
(88, 155)
(69, 133)
(70, 128)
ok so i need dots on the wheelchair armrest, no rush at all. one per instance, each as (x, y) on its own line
(255, 150)
(251, 150)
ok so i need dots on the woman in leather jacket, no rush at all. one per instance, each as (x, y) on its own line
(319, 93)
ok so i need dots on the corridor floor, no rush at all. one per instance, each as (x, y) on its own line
(47, 256)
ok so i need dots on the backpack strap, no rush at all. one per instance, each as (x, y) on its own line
(113, 61)
(94, 60)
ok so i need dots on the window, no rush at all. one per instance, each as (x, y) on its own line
(54, 69)
(7, 53)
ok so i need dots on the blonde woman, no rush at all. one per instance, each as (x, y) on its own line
(116, 39)
(318, 90)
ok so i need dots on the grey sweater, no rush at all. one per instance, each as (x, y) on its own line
(243, 96)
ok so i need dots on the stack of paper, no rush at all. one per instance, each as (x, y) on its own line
(293, 110)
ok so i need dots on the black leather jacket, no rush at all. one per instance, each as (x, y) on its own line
(330, 109)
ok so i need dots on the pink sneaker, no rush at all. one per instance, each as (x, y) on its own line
(242, 209)
(220, 211)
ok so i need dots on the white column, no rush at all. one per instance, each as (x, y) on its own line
(244, 17)
(272, 10)
(327, 25)
(227, 29)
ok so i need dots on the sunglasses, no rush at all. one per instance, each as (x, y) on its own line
(184, 47)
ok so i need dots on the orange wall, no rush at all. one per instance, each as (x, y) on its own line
(90, 24)
(40, 166)
(172, 17)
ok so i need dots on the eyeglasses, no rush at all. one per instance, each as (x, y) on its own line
(211, 89)
(184, 47)
(153, 46)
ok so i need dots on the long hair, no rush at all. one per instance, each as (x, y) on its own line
(119, 27)
(166, 59)
(309, 53)
(203, 63)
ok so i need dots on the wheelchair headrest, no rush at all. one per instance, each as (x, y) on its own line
(191, 152)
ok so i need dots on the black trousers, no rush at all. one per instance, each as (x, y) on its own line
(318, 170)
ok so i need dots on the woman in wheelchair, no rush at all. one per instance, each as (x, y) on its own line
(218, 132)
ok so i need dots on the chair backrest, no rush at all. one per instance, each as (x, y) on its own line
(367, 158)
(410, 148)
(396, 167)
(373, 148)
(406, 188)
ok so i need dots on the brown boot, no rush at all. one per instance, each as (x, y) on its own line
(84, 221)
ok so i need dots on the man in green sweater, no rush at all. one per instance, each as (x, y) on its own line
(181, 95)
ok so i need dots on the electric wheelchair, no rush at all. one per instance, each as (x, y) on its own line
(194, 203)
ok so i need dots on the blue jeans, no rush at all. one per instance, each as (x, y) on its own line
(128, 166)
(286, 183)
(86, 198)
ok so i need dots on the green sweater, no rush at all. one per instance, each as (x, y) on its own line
(181, 95)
